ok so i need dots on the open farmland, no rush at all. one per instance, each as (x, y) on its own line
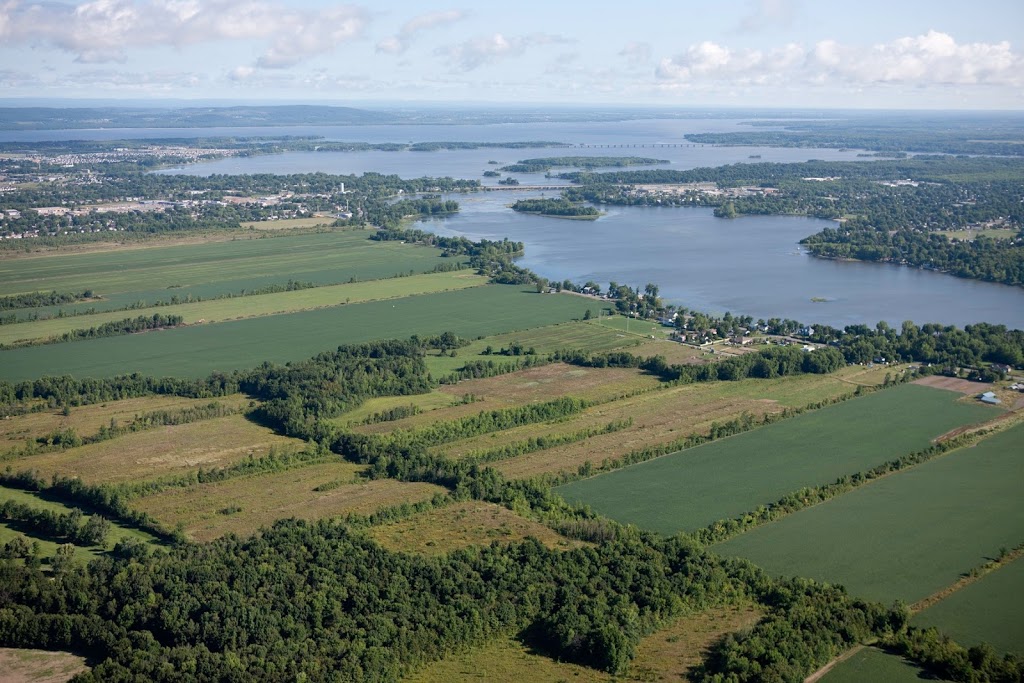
(219, 310)
(48, 546)
(664, 655)
(872, 664)
(693, 488)
(166, 450)
(462, 525)
(86, 420)
(544, 383)
(39, 666)
(244, 504)
(212, 268)
(986, 611)
(660, 418)
(905, 536)
(195, 351)
(583, 335)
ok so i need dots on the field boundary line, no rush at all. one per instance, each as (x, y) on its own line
(973, 575)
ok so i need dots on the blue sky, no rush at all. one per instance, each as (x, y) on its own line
(786, 53)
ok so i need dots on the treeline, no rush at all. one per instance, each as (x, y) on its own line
(983, 258)
(116, 328)
(391, 215)
(37, 299)
(492, 258)
(68, 526)
(548, 163)
(555, 207)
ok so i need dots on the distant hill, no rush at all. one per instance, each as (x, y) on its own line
(49, 118)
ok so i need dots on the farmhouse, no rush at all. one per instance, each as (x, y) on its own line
(989, 397)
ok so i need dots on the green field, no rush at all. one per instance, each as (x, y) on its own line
(986, 611)
(219, 310)
(871, 665)
(48, 546)
(905, 536)
(693, 488)
(198, 350)
(210, 268)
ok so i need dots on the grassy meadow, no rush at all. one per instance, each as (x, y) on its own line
(907, 535)
(693, 488)
(872, 664)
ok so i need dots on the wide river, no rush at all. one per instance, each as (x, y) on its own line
(750, 265)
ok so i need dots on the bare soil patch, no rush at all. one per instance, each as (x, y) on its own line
(38, 666)
(961, 386)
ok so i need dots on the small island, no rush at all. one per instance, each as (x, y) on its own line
(491, 174)
(557, 208)
(586, 163)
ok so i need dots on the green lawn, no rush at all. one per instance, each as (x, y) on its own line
(693, 488)
(905, 536)
(872, 665)
(199, 350)
(986, 611)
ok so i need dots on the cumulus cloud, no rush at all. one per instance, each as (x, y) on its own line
(931, 59)
(636, 53)
(475, 53)
(399, 43)
(101, 30)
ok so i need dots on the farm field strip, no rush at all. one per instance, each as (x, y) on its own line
(87, 420)
(462, 525)
(244, 504)
(987, 610)
(425, 402)
(167, 450)
(905, 536)
(696, 487)
(659, 417)
(872, 664)
(175, 268)
(197, 350)
(219, 310)
(543, 383)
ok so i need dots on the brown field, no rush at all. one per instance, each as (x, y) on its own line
(162, 451)
(281, 495)
(659, 417)
(463, 525)
(662, 656)
(87, 420)
(288, 223)
(545, 383)
(424, 402)
(674, 353)
(38, 666)
(961, 386)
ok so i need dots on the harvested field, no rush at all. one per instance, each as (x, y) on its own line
(961, 386)
(424, 402)
(38, 666)
(288, 223)
(674, 353)
(87, 420)
(895, 531)
(463, 525)
(662, 656)
(162, 451)
(696, 487)
(245, 504)
(659, 417)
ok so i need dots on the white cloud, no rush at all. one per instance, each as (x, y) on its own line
(475, 53)
(102, 30)
(398, 44)
(931, 59)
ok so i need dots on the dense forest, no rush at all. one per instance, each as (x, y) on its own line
(561, 208)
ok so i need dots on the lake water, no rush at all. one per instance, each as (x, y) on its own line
(750, 265)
